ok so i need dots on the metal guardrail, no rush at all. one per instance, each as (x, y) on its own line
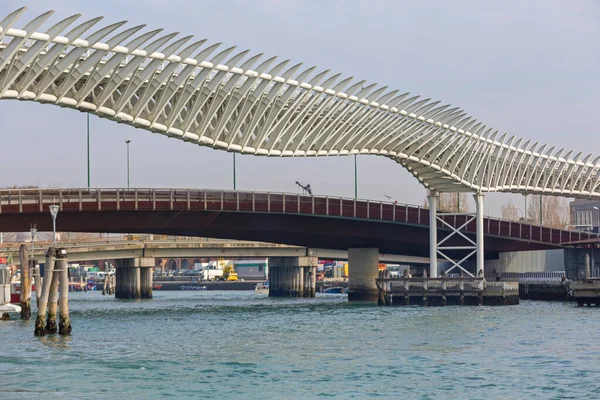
(524, 277)
(38, 200)
(8, 248)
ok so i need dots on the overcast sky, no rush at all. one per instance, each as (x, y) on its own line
(529, 68)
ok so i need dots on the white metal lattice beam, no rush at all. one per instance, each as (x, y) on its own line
(177, 87)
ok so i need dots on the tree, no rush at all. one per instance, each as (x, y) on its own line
(452, 202)
(512, 212)
(554, 211)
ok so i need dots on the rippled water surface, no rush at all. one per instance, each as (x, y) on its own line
(241, 345)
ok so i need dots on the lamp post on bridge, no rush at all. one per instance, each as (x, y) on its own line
(593, 261)
(54, 212)
(234, 180)
(355, 178)
(88, 150)
(128, 141)
(33, 231)
(541, 212)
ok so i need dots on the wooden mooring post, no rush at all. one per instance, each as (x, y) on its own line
(384, 289)
(25, 283)
(51, 326)
(40, 322)
(35, 271)
(109, 285)
(64, 325)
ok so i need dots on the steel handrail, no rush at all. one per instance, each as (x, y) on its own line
(40, 196)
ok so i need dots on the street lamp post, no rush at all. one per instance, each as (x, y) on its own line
(128, 141)
(593, 269)
(33, 231)
(355, 178)
(234, 180)
(54, 212)
(88, 150)
(541, 212)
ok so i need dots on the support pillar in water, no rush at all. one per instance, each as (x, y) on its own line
(120, 281)
(127, 283)
(363, 269)
(146, 268)
(479, 234)
(146, 282)
(137, 283)
(433, 205)
(292, 276)
(134, 278)
(64, 324)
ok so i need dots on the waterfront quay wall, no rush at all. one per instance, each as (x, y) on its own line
(548, 286)
(444, 291)
(546, 291)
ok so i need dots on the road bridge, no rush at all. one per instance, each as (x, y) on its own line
(89, 250)
(316, 222)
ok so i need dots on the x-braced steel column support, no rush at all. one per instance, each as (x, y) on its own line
(479, 235)
(469, 246)
(433, 203)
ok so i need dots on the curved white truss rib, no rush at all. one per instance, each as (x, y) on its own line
(240, 102)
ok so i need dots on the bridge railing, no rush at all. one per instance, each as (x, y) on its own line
(140, 199)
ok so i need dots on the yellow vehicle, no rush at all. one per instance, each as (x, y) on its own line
(232, 276)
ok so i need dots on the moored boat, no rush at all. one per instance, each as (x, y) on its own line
(335, 289)
(262, 288)
(193, 287)
(6, 308)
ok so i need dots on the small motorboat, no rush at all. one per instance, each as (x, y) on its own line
(193, 287)
(335, 289)
(262, 288)
(6, 297)
(7, 309)
(157, 286)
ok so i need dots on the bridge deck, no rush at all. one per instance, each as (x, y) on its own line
(23, 201)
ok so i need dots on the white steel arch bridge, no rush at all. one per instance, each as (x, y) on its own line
(244, 102)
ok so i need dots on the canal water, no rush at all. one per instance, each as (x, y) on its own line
(242, 345)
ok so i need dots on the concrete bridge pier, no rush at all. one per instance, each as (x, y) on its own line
(292, 276)
(134, 278)
(146, 282)
(363, 269)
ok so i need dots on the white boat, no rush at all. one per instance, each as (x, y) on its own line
(193, 287)
(262, 288)
(6, 308)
